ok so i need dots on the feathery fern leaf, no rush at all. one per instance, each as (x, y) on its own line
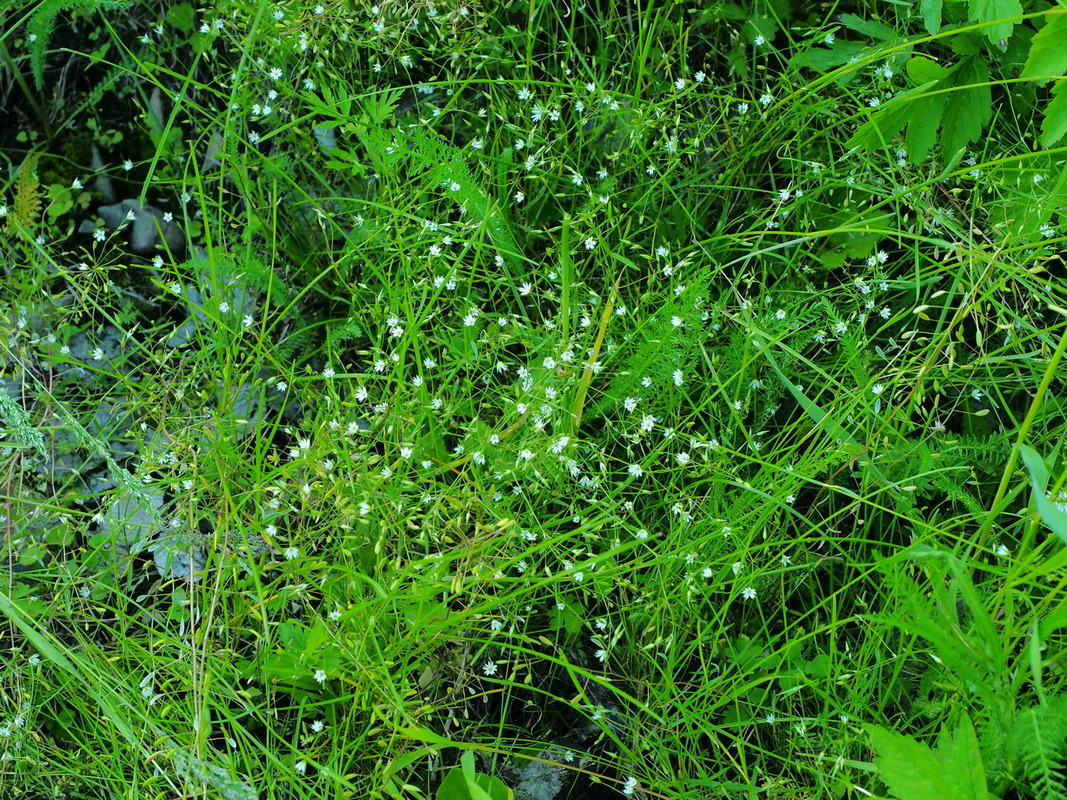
(40, 26)
(1040, 743)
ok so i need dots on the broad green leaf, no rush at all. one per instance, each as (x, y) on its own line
(1048, 50)
(969, 107)
(464, 783)
(912, 771)
(1046, 509)
(920, 109)
(991, 12)
(908, 768)
(181, 17)
(823, 59)
(923, 124)
(1054, 125)
(923, 70)
(868, 28)
(931, 14)
(962, 762)
(885, 123)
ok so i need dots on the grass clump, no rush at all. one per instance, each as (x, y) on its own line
(648, 401)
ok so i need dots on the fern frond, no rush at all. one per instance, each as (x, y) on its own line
(40, 26)
(659, 347)
(27, 203)
(447, 167)
(1040, 743)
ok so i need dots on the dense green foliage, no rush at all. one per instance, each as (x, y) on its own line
(438, 400)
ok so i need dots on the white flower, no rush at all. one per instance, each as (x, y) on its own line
(630, 785)
(320, 676)
(635, 470)
(748, 593)
(489, 668)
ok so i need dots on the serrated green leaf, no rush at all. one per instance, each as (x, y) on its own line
(931, 14)
(181, 17)
(969, 107)
(912, 771)
(962, 762)
(923, 70)
(908, 768)
(823, 59)
(988, 12)
(922, 127)
(1048, 50)
(1054, 125)
(868, 28)
(884, 124)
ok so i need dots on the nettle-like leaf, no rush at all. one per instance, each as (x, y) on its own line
(953, 100)
(1047, 60)
(1048, 49)
(998, 16)
(913, 771)
(1054, 126)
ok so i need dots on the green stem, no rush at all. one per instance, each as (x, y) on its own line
(1024, 429)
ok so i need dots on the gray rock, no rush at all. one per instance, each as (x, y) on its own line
(147, 223)
(102, 183)
(132, 519)
(539, 781)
